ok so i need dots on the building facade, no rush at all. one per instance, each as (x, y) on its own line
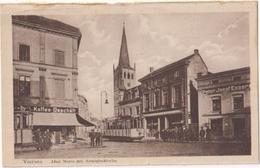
(224, 103)
(170, 97)
(45, 74)
(130, 109)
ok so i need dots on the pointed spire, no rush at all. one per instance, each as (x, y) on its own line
(124, 58)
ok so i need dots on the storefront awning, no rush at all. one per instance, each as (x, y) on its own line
(55, 119)
(83, 121)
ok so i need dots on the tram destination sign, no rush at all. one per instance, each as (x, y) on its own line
(46, 109)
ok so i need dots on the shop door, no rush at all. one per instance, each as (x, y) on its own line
(162, 123)
(239, 127)
(217, 127)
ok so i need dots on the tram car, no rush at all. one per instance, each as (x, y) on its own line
(116, 130)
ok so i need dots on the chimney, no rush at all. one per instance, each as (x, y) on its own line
(151, 69)
(196, 51)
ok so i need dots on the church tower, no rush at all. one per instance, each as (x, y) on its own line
(124, 74)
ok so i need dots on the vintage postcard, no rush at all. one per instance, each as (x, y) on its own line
(129, 84)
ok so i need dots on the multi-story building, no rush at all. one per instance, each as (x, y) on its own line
(130, 109)
(170, 97)
(127, 104)
(45, 74)
(224, 103)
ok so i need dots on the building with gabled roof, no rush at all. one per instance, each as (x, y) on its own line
(224, 104)
(170, 96)
(45, 72)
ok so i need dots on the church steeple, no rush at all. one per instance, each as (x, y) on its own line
(124, 58)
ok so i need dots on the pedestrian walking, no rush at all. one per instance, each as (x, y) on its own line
(92, 138)
(97, 138)
(207, 134)
(202, 134)
(36, 138)
(176, 134)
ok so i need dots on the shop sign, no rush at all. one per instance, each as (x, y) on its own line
(227, 89)
(46, 109)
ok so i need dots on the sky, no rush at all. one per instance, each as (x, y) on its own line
(154, 40)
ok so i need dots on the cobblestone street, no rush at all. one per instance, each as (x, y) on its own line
(138, 149)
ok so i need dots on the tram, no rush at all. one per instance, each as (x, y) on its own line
(116, 130)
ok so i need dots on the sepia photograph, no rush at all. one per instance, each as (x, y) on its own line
(131, 84)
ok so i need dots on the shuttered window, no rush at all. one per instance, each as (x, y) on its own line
(59, 88)
(59, 57)
(24, 52)
(24, 86)
(42, 88)
(238, 101)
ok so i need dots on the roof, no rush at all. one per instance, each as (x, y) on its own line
(124, 57)
(47, 24)
(167, 67)
(222, 73)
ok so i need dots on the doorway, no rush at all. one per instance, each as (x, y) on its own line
(239, 127)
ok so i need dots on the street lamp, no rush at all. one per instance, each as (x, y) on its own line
(101, 102)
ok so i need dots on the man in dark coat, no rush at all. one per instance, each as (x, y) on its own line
(202, 134)
(92, 138)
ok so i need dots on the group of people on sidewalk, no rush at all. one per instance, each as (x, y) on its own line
(183, 134)
(96, 138)
(42, 139)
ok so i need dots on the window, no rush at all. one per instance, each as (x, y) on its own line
(146, 102)
(18, 122)
(42, 87)
(59, 58)
(124, 74)
(237, 78)
(216, 104)
(128, 75)
(238, 101)
(156, 98)
(176, 96)
(128, 84)
(137, 110)
(164, 97)
(24, 52)
(59, 88)
(25, 121)
(215, 81)
(24, 86)
(130, 110)
(132, 76)
(176, 74)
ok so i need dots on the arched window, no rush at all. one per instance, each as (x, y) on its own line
(128, 75)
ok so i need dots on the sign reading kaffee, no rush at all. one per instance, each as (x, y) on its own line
(47, 109)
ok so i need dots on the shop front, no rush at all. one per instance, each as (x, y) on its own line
(229, 126)
(60, 121)
(155, 124)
